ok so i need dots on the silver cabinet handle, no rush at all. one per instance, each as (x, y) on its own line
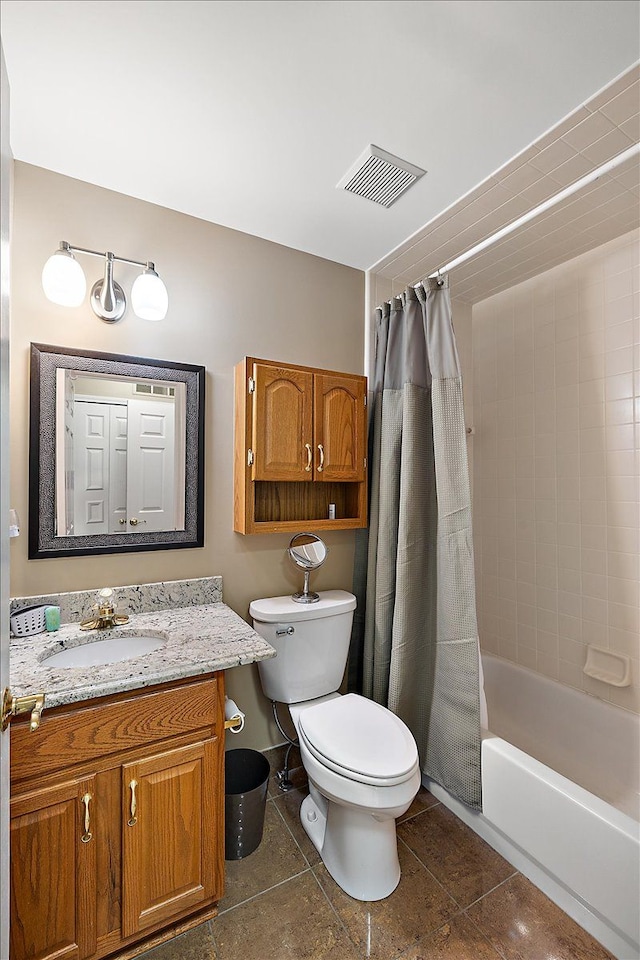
(131, 822)
(87, 819)
(307, 447)
(321, 452)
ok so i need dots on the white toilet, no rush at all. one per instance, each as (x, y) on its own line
(361, 760)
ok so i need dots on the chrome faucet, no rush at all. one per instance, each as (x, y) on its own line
(106, 616)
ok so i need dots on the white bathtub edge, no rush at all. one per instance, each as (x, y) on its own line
(610, 937)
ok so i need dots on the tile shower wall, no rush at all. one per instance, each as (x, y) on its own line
(556, 376)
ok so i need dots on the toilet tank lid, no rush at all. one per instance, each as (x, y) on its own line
(277, 609)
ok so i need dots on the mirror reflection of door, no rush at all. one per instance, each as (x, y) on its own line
(99, 480)
(150, 465)
(121, 464)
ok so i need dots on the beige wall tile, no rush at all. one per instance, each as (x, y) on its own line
(548, 666)
(527, 657)
(619, 336)
(618, 361)
(593, 536)
(626, 592)
(627, 697)
(568, 582)
(570, 674)
(570, 632)
(625, 566)
(560, 451)
(624, 642)
(619, 411)
(570, 604)
(594, 609)
(594, 585)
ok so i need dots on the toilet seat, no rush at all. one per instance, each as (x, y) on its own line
(360, 740)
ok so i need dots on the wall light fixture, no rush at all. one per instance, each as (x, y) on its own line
(64, 282)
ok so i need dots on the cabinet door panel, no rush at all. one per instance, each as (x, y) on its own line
(339, 427)
(168, 835)
(282, 423)
(53, 875)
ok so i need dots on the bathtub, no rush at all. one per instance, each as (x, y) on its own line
(561, 798)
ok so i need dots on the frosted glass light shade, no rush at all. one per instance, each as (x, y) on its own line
(63, 280)
(149, 297)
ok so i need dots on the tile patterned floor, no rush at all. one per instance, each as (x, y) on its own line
(457, 900)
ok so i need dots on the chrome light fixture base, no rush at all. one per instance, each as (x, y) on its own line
(64, 283)
(107, 297)
(118, 302)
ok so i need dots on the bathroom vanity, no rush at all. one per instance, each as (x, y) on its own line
(117, 806)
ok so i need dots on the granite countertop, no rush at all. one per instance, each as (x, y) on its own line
(196, 640)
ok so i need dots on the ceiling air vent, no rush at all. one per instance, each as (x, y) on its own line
(379, 176)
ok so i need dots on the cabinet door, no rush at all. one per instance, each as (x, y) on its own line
(53, 874)
(282, 423)
(170, 850)
(339, 427)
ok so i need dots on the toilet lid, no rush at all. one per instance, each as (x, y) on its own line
(360, 739)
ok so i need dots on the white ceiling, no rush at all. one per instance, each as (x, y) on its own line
(248, 113)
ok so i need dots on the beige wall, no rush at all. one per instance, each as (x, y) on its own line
(556, 370)
(231, 295)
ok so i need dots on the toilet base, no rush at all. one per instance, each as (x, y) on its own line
(359, 851)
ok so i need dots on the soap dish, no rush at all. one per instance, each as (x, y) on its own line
(613, 668)
(28, 621)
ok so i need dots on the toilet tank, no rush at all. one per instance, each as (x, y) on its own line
(312, 643)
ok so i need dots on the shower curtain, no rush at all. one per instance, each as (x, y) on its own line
(415, 640)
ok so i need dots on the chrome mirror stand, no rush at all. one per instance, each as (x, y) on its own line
(308, 552)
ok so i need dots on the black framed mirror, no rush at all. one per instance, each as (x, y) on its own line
(116, 453)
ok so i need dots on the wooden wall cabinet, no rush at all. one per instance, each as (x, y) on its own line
(300, 445)
(117, 830)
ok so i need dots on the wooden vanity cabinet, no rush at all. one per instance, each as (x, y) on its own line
(117, 829)
(162, 874)
(53, 875)
(300, 445)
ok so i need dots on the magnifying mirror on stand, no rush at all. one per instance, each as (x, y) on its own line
(308, 552)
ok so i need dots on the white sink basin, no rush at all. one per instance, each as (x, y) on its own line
(95, 653)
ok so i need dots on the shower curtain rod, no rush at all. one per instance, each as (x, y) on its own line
(536, 211)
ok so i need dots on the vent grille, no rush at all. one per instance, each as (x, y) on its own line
(154, 390)
(380, 176)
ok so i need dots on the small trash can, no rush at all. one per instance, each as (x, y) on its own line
(246, 774)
